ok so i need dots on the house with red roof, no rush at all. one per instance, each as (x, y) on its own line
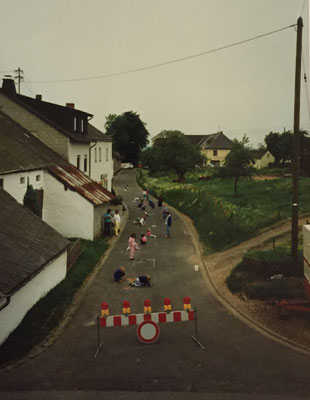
(70, 201)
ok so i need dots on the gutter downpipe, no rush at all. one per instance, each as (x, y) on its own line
(89, 156)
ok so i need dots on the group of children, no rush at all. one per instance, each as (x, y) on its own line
(133, 246)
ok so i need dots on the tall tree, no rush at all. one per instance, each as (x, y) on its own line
(128, 133)
(172, 151)
(239, 162)
(280, 145)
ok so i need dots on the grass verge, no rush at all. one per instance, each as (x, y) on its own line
(47, 313)
(221, 219)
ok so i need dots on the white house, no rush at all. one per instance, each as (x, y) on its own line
(64, 129)
(70, 201)
(33, 259)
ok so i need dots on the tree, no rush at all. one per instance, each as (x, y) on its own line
(280, 145)
(30, 200)
(238, 162)
(128, 133)
(172, 151)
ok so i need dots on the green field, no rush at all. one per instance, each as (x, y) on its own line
(221, 219)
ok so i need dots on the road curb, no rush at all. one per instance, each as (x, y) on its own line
(243, 316)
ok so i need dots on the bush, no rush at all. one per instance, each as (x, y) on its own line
(276, 289)
(253, 275)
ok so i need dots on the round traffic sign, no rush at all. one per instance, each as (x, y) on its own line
(148, 332)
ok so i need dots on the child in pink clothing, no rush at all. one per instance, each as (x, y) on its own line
(149, 233)
(143, 239)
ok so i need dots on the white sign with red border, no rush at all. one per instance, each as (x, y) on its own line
(148, 332)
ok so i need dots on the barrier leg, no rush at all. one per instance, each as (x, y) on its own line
(99, 345)
(195, 338)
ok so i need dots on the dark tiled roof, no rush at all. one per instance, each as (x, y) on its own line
(258, 154)
(21, 151)
(97, 134)
(212, 141)
(217, 141)
(27, 244)
(74, 179)
(195, 139)
(30, 104)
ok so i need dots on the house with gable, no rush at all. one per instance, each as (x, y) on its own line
(33, 259)
(64, 129)
(262, 158)
(70, 201)
(214, 147)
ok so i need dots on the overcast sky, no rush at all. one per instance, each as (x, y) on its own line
(243, 89)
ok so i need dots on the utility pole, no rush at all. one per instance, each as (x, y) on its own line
(295, 161)
(19, 77)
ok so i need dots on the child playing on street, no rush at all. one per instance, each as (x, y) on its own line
(149, 234)
(143, 280)
(143, 239)
(119, 274)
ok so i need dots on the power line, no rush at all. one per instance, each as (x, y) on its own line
(302, 10)
(167, 62)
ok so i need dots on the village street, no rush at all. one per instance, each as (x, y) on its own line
(237, 362)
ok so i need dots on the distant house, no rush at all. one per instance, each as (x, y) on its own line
(33, 260)
(262, 158)
(70, 201)
(64, 129)
(214, 147)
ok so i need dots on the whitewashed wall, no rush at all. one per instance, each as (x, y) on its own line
(81, 149)
(12, 183)
(23, 300)
(102, 164)
(67, 211)
(101, 161)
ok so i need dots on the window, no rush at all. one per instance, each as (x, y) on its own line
(78, 162)
(1, 182)
(85, 163)
(99, 154)
(82, 125)
(38, 178)
(74, 123)
(215, 152)
(107, 154)
(22, 180)
(95, 154)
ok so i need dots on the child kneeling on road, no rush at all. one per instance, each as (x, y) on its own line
(143, 280)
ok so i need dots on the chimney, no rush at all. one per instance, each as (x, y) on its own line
(8, 86)
(70, 105)
(39, 97)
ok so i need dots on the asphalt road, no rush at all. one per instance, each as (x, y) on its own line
(236, 362)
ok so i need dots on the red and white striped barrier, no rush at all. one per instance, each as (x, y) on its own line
(136, 319)
(148, 329)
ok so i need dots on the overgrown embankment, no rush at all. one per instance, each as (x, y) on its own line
(221, 219)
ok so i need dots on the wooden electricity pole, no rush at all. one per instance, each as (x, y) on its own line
(19, 77)
(295, 160)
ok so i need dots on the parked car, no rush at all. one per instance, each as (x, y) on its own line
(127, 165)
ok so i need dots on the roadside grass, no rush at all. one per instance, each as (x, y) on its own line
(268, 275)
(48, 312)
(221, 219)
